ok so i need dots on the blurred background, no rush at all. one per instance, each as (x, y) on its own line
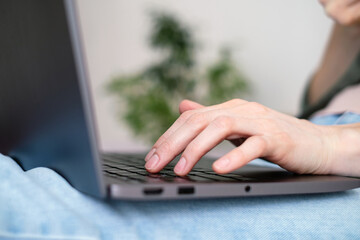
(273, 47)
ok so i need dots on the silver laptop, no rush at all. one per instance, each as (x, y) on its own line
(46, 119)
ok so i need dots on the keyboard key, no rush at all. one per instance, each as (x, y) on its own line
(131, 168)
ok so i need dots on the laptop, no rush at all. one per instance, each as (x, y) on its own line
(47, 120)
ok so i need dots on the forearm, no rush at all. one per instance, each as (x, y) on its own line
(346, 159)
(342, 48)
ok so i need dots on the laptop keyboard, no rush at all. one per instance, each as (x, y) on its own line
(130, 168)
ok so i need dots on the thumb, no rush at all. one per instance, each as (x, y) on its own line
(186, 105)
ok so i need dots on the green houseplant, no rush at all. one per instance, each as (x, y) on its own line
(151, 96)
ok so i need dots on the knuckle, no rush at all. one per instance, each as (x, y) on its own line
(257, 107)
(191, 150)
(197, 120)
(186, 115)
(223, 122)
(267, 124)
(184, 101)
(236, 101)
(159, 141)
(165, 147)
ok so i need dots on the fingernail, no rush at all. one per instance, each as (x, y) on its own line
(180, 166)
(222, 163)
(152, 163)
(149, 155)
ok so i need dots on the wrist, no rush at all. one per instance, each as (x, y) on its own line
(346, 153)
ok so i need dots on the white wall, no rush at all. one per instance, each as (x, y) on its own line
(276, 43)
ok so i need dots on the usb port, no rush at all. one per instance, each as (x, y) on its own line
(186, 190)
(152, 191)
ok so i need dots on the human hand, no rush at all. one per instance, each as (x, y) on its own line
(296, 145)
(344, 12)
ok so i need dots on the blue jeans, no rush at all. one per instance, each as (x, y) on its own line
(39, 204)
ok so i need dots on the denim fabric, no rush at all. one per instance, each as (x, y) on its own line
(336, 119)
(39, 204)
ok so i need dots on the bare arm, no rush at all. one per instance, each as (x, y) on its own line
(342, 48)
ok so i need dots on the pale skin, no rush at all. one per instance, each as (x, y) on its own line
(344, 44)
(260, 132)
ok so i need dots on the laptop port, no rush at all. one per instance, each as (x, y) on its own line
(186, 190)
(152, 191)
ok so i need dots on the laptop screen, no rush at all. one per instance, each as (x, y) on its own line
(43, 121)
